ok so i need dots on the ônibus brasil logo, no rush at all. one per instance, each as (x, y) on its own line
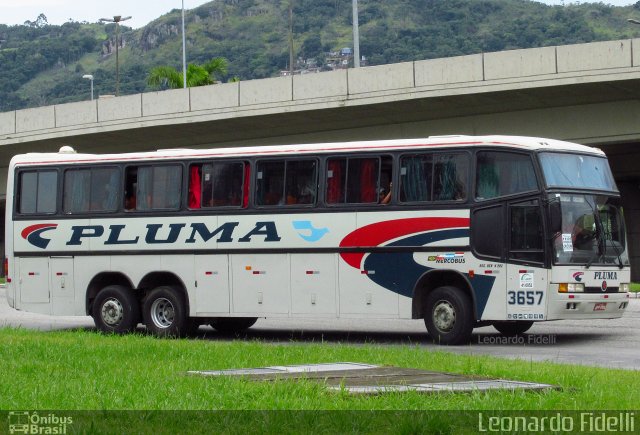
(33, 234)
(578, 276)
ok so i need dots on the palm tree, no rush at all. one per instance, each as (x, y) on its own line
(197, 75)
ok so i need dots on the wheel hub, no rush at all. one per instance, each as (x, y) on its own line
(162, 313)
(112, 312)
(444, 316)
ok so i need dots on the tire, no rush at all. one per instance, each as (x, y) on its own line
(232, 325)
(116, 310)
(449, 316)
(165, 313)
(513, 328)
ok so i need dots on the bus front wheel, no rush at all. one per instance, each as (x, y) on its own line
(116, 310)
(232, 325)
(513, 328)
(449, 315)
(165, 313)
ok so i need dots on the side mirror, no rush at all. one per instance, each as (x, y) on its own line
(555, 217)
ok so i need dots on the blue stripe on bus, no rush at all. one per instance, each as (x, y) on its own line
(399, 272)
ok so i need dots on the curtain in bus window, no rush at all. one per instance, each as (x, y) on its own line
(523, 177)
(104, 189)
(28, 192)
(501, 173)
(144, 189)
(77, 191)
(166, 187)
(486, 178)
(245, 186)
(446, 178)
(47, 191)
(415, 178)
(368, 180)
(335, 193)
(195, 189)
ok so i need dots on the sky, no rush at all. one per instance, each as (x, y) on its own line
(141, 11)
(60, 11)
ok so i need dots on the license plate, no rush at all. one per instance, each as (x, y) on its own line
(600, 306)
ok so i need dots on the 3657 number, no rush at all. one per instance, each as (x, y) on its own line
(524, 297)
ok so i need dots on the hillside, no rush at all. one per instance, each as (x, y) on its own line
(43, 64)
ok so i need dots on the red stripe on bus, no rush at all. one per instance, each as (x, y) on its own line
(378, 233)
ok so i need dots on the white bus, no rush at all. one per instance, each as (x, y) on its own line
(459, 231)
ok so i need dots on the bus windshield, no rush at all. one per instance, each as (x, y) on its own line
(592, 231)
(577, 171)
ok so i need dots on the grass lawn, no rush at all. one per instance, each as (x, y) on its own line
(84, 370)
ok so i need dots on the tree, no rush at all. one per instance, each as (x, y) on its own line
(197, 75)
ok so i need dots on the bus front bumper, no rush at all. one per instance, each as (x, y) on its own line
(587, 306)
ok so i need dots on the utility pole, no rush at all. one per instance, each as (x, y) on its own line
(291, 37)
(356, 36)
(184, 51)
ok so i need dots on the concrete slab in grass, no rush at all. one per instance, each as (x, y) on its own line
(358, 378)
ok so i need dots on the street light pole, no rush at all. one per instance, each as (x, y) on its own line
(184, 52)
(89, 77)
(116, 19)
(356, 36)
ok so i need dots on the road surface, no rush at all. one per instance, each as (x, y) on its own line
(604, 343)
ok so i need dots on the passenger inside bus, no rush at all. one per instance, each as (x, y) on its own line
(385, 195)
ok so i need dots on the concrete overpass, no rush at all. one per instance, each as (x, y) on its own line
(586, 93)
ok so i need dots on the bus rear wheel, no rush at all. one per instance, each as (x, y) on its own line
(116, 310)
(513, 328)
(232, 325)
(449, 315)
(164, 312)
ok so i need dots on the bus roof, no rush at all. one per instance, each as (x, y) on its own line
(67, 155)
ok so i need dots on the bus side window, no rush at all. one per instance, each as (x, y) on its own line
(155, 187)
(301, 182)
(450, 176)
(223, 184)
(37, 192)
(288, 182)
(94, 189)
(526, 238)
(270, 183)
(500, 173)
(416, 174)
(353, 180)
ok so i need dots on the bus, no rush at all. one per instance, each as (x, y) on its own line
(459, 231)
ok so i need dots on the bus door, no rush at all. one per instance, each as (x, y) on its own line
(33, 279)
(526, 276)
(62, 289)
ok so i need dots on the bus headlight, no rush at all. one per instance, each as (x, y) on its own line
(570, 287)
(624, 287)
